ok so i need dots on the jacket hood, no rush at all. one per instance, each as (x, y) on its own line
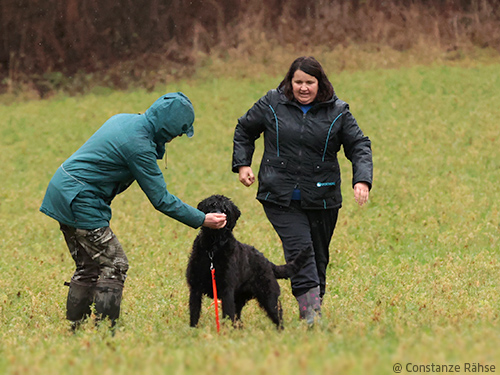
(171, 115)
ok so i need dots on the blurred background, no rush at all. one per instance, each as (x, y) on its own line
(51, 45)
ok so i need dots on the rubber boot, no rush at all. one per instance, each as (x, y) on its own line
(108, 298)
(310, 305)
(79, 302)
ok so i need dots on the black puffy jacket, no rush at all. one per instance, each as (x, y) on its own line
(300, 150)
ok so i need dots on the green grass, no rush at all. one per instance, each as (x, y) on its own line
(413, 278)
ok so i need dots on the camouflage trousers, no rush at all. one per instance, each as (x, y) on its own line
(97, 254)
(101, 270)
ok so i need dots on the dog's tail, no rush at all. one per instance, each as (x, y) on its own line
(286, 271)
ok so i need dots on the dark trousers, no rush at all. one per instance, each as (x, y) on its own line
(299, 228)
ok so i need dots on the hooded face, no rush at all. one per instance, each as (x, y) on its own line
(172, 115)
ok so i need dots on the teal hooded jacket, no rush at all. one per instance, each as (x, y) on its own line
(125, 149)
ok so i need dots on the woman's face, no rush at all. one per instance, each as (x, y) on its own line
(305, 87)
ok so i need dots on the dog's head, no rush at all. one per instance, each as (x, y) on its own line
(223, 205)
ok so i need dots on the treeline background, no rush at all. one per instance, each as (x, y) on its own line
(45, 43)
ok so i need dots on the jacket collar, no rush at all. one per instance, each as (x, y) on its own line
(284, 100)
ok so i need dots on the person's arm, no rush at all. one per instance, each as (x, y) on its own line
(247, 131)
(357, 148)
(146, 171)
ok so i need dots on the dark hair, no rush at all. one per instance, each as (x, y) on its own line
(311, 66)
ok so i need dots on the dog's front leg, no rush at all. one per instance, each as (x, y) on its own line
(228, 305)
(194, 307)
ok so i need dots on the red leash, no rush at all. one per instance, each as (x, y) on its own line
(216, 301)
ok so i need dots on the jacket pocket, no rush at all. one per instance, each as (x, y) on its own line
(325, 166)
(274, 161)
(325, 174)
(326, 180)
(272, 171)
(272, 177)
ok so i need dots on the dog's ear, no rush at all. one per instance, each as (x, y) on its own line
(233, 214)
(202, 206)
(206, 204)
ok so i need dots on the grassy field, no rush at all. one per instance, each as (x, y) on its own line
(414, 275)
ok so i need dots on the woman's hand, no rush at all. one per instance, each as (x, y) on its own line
(215, 221)
(361, 193)
(246, 176)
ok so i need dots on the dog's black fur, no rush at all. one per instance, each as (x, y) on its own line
(241, 271)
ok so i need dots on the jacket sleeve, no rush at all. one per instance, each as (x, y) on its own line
(146, 171)
(357, 148)
(249, 128)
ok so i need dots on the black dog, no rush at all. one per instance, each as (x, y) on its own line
(241, 271)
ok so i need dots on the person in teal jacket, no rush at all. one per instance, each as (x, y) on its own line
(125, 149)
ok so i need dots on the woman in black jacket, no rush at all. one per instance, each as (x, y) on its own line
(304, 125)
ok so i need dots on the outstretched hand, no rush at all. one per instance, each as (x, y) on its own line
(246, 176)
(215, 221)
(361, 193)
